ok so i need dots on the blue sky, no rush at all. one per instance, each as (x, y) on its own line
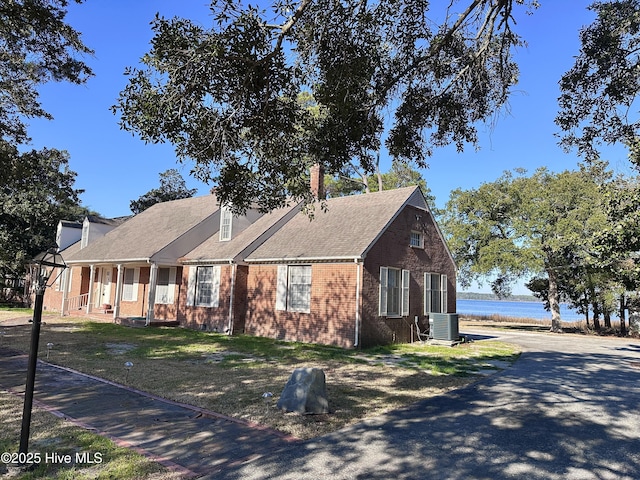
(115, 167)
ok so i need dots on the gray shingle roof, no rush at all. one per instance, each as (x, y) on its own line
(350, 225)
(147, 233)
(213, 249)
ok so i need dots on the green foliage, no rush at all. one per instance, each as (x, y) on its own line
(598, 92)
(227, 97)
(400, 175)
(37, 47)
(520, 226)
(172, 187)
(36, 191)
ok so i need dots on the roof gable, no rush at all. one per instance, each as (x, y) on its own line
(242, 242)
(150, 232)
(347, 229)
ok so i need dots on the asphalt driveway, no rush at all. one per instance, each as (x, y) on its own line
(568, 409)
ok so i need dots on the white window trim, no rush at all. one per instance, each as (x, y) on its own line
(226, 223)
(427, 293)
(405, 279)
(421, 239)
(283, 294)
(192, 287)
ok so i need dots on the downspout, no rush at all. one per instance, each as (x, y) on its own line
(356, 341)
(231, 296)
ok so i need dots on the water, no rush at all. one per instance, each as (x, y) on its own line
(515, 309)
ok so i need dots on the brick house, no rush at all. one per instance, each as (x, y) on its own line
(356, 275)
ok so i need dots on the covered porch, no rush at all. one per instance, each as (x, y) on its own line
(120, 291)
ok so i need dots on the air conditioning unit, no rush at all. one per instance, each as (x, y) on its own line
(444, 326)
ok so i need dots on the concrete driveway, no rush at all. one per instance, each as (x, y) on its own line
(568, 409)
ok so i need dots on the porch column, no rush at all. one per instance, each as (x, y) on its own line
(92, 275)
(153, 280)
(66, 276)
(116, 306)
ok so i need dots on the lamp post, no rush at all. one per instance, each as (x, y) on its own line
(42, 267)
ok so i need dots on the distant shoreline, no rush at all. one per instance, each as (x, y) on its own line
(494, 298)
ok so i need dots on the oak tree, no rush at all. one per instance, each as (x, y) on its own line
(390, 73)
(36, 191)
(518, 227)
(172, 187)
(36, 46)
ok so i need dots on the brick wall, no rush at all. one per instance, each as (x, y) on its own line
(206, 318)
(393, 250)
(331, 319)
(139, 307)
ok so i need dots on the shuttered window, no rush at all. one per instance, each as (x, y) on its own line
(435, 293)
(394, 292)
(203, 289)
(293, 290)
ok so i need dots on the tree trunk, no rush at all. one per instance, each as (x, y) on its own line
(623, 327)
(365, 182)
(554, 302)
(596, 316)
(586, 309)
(607, 319)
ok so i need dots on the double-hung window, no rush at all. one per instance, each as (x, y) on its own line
(226, 219)
(166, 285)
(394, 292)
(204, 286)
(293, 291)
(435, 293)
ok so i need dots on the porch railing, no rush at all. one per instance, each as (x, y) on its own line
(76, 303)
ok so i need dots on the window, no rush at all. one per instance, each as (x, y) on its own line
(294, 288)
(204, 286)
(130, 284)
(225, 224)
(85, 235)
(416, 239)
(394, 292)
(207, 286)
(165, 285)
(435, 293)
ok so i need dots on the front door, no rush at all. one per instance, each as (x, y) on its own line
(106, 285)
(103, 286)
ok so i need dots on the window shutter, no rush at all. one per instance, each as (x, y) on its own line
(281, 289)
(427, 293)
(443, 286)
(191, 287)
(384, 277)
(215, 287)
(405, 292)
(136, 284)
(171, 288)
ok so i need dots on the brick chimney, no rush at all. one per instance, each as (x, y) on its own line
(317, 181)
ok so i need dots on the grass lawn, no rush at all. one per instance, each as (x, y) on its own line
(230, 374)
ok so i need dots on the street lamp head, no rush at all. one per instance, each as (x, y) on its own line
(43, 266)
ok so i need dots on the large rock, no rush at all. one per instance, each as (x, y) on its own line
(305, 392)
